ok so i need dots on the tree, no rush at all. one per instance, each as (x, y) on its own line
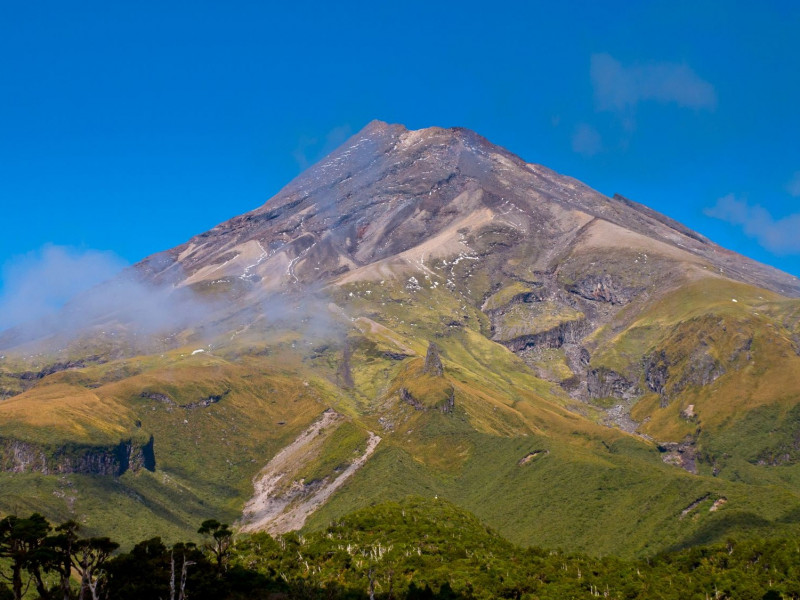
(419, 593)
(151, 570)
(141, 573)
(21, 542)
(61, 546)
(9, 550)
(185, 564)
(89, 557)
(219, 542)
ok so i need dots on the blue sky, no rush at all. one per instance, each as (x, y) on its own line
(128, 127)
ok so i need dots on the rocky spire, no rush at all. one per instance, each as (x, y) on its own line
(433, 364)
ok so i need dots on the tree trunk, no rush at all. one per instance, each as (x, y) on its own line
(66, 589)
(93, 588)
(84, 585)
(371, 576)
(44, 594)
(171, 575)
(16, 581)
(184, 573)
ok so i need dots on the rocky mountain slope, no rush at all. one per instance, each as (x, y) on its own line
(471, 325)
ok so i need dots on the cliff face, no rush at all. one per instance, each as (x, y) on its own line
(18, 456)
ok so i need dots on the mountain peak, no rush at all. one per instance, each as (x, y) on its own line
(388, 189)
(378, 127)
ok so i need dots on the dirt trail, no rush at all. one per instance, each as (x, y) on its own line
(281, 502)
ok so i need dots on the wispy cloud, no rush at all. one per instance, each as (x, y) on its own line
(621, 88)
(776, 235)
(586, 140)
(40, 282)
(793, 187)
(311, 149)
(61, 291)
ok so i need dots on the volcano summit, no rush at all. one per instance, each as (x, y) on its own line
(424, 313)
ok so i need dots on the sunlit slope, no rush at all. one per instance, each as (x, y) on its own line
(515, 449)
(213, 425)
(717, 363)
(512, 453)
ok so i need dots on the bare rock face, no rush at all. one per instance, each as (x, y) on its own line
(683, 454)
(606, 383)
(656, 372)
(603, 288)
(26, 457)
(699, 369)
(433, 363)
(446, 406)
(567, 332)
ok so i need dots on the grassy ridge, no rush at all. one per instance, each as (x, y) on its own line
(731, 355)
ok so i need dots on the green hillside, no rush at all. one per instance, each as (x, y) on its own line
(515, 450)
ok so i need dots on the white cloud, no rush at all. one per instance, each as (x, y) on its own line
(61, 290)
(620, 88)
(586, 140)
(793, 187)
(776, 235)
(65, 292)
(40, 282)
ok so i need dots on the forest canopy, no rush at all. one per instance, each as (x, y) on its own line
(418, 548)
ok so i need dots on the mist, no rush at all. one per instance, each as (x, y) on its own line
(60, 291)
(37, 284)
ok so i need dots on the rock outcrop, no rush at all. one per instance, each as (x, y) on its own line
(603, 288)
(433, 362)
(656, 372)
(568, 332)
(446, 406)
(18, 456)
(683, 454)
(57, 367)
(201, 403)
(607, 383)
(344, 373)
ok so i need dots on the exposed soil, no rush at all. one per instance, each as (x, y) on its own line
(281, 502)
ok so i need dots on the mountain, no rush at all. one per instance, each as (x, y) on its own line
(422, 312)
(388, 189)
